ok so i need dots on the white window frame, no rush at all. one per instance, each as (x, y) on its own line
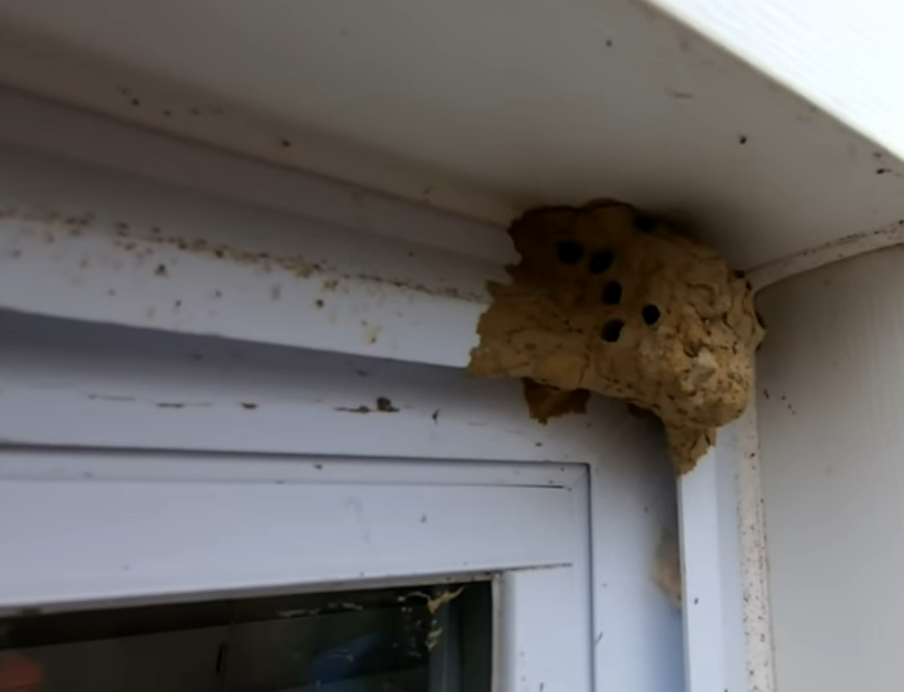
(92, 528)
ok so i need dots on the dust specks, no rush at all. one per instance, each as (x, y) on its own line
(680, 94)
(356, 409)
(742, 139)
(276, 292)
(371, 334)
(385, 405)
(110, 397)
(249, 407)
(296, 264)
(161, 270)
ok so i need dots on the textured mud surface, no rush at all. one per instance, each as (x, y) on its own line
(610, 300)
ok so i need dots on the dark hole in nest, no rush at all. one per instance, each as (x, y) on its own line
(569, 252)
(601, 261)
(644, 222)
(612, 293)
(612, 330)
(650, 314)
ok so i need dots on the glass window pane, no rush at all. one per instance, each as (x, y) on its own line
(421, 639)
